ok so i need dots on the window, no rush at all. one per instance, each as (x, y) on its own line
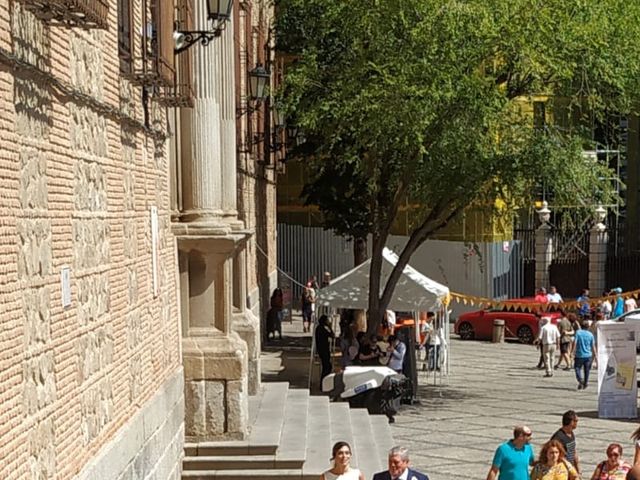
(125, 36)
(163, 44)
(181, 94)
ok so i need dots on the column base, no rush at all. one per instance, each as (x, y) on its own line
(216, 403)
(247, 326)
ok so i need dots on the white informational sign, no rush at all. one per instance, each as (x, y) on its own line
(617, 384)
(65, 282)
(154, 249)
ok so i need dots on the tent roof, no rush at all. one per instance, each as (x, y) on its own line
(414, 291)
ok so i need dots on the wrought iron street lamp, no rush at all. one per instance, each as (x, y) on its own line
(258, 80)
(218, 13)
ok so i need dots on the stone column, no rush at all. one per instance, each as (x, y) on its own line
(598, 239)
(214, 356)
(245, 322)
(544, 247)
(200, 133)
(227, 101)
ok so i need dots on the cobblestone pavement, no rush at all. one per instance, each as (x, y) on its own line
(455, 429)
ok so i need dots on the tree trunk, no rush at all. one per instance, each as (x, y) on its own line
(375, 312)
(359, 257)
(359, 251)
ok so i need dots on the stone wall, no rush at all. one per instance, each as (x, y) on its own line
(77, 184)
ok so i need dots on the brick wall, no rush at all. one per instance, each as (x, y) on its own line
(77, 183)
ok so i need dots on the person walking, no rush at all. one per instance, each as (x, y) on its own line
(567, 437)
(552, 464)
(614, 467)
(324, 334)
(566, 337)
(398, 467)
(584, 351)
(513, 458)
(549, 338)
(341, 470)
(308, 305)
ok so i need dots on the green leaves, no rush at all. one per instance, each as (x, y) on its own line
(430, 99)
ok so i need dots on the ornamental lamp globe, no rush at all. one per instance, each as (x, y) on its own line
(292, 132)
(278, 116)
(258, 78)
(219, 10)
(544, 214)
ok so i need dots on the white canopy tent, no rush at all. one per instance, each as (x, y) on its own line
(414, 292)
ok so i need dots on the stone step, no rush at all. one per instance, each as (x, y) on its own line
(279, 474)
(318, 448)
(364, 442)
(382, 434)
(266, 430)
(239, 462)
(340, 415)
(227, 448)
(293, 439)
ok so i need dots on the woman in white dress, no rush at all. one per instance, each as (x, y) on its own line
(341, 456)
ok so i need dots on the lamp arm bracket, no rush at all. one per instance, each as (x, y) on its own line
(191, 37)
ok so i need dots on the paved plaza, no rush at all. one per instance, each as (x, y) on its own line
(455, 429)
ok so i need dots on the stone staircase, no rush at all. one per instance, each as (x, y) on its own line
(291, 438)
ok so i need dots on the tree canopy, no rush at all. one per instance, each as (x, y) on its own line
(427, 99)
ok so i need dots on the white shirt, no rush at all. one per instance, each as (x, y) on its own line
(391, 317)
(549, 334)
(397, 357)
(554, 298)
(606, 308)
(630, 304)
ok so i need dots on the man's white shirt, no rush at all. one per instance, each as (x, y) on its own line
(549, 334)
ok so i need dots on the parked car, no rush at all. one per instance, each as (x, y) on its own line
(524, 326)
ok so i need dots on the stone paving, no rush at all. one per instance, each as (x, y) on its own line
(455, 429)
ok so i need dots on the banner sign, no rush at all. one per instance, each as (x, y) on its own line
(617, 385)
(530, 306)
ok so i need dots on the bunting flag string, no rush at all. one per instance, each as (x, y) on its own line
(529, 306)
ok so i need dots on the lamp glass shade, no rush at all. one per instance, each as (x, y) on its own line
(292, 132)
(278, 116)
(220, 10)
(258, 78)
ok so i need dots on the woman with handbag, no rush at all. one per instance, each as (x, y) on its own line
(552, 464)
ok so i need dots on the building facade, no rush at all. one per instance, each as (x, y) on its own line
(137, 239)
(92, 374)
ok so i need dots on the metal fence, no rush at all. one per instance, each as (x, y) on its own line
(493, 270)
(307, 251)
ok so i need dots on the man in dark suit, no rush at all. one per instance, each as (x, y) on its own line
(399, 467)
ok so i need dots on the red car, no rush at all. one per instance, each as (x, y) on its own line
(518, 324)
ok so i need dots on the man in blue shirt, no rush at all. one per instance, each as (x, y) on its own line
(513, 458)
(584, 348)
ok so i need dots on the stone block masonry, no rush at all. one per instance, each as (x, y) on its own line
(93, 390)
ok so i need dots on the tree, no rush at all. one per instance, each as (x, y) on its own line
(423, 99)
